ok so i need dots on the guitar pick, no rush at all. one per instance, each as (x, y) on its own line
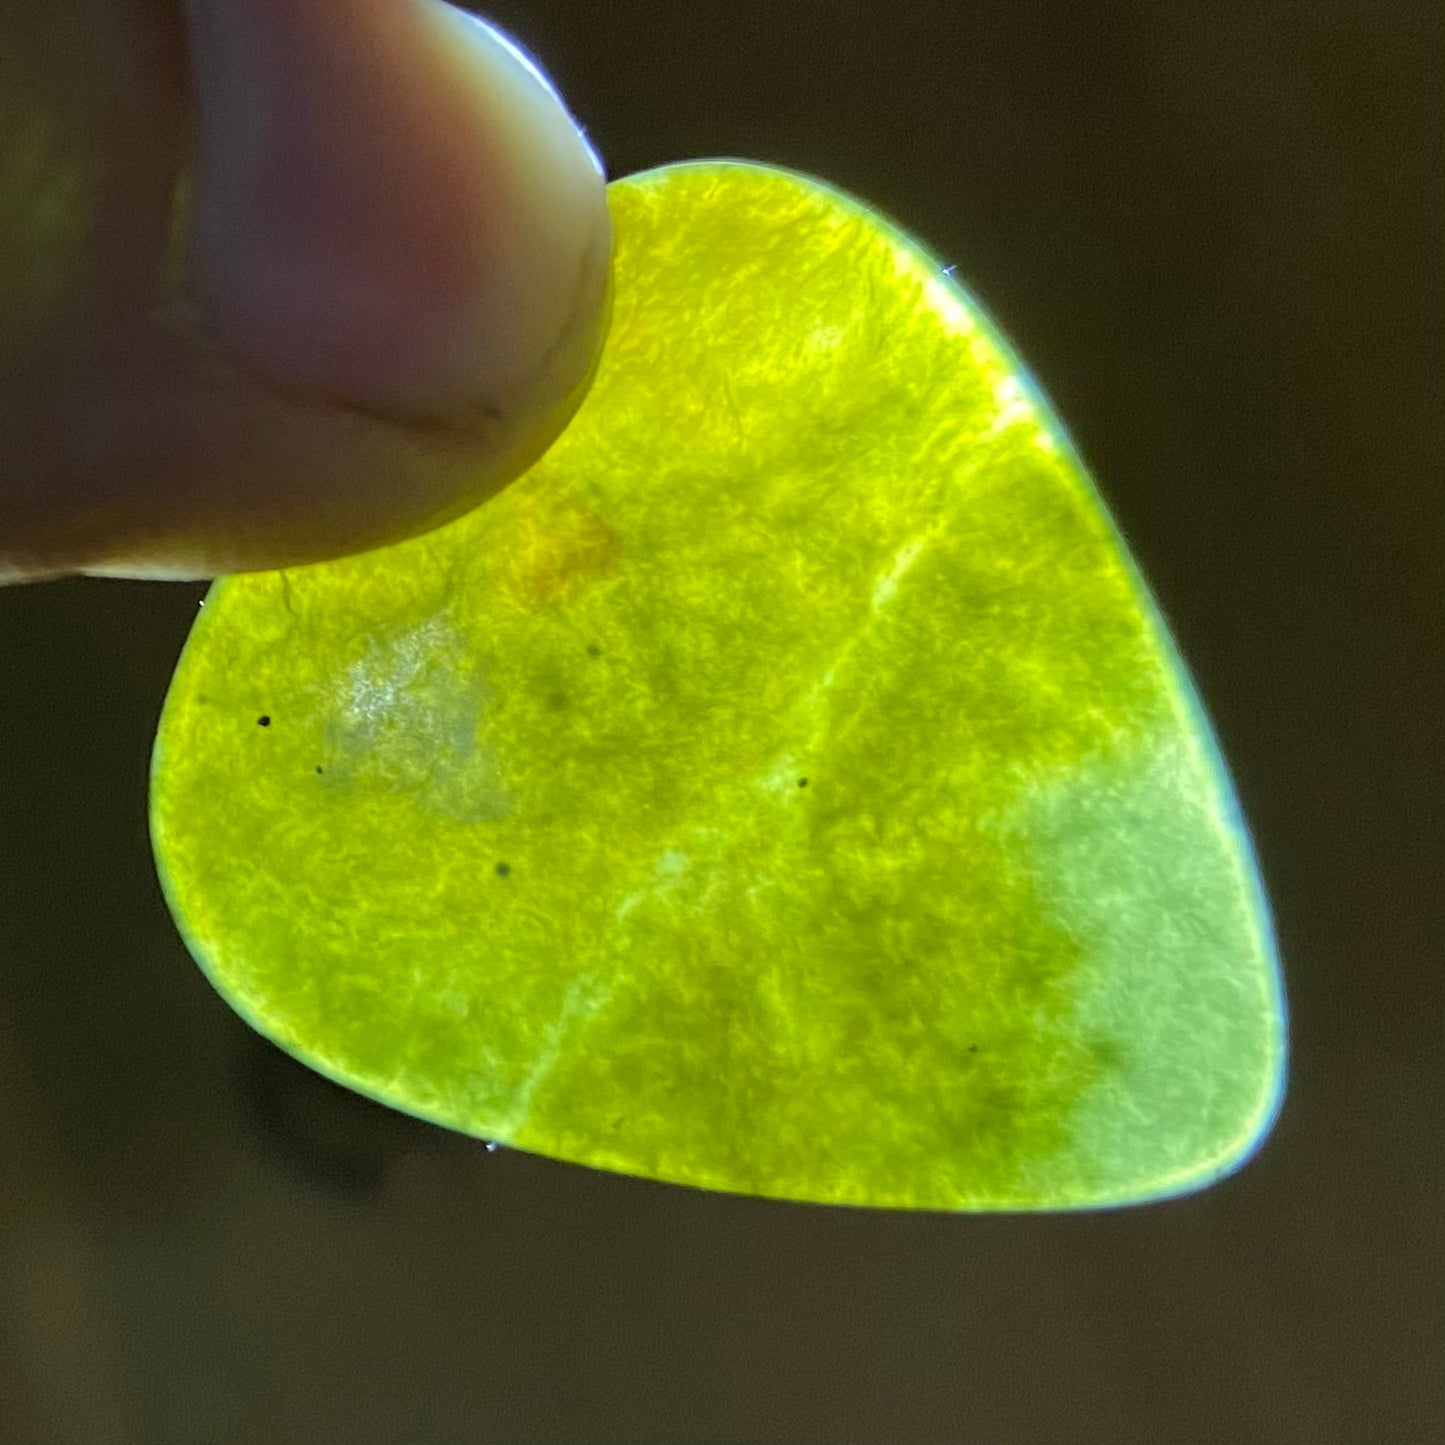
(788, 786)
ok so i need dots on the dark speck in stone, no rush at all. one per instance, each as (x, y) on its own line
(503, 869)
(264, 721)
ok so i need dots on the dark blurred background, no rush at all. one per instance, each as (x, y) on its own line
(1213, 228)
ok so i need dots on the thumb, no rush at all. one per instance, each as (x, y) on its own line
(395, 294)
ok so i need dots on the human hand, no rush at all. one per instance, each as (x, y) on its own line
(280, 280)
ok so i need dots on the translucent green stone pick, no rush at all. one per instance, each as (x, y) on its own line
(788, 786)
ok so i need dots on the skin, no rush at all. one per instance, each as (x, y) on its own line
(382, 301)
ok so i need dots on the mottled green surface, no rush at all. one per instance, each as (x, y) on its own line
(787, 787)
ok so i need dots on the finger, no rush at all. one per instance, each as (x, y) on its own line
(397, 287)
(394, 207)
